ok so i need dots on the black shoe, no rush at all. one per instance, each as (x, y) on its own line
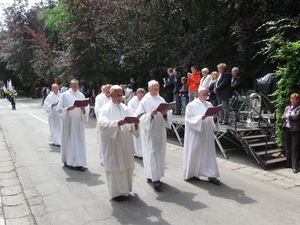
(149, 180)
(156, 184)
(193, 178)
(81, 168)
(65, 164)
(295, 170)
(118, 198)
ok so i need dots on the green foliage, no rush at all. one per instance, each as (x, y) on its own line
(286, 54)
(55, 20)
(110, 41)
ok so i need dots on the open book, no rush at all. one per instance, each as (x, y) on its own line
(131, 119)
(166, 106)
(84, 102)
(212, 110)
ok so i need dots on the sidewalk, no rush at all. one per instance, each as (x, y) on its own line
(14, 209)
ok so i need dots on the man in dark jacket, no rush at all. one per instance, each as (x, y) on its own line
(223, 92)
(236, 81)
(177, 87)
(236, 84)
(169, 85)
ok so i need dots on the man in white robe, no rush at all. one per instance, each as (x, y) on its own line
(101, 100)
(153, 126)
(54, 120)
(133, 105)
(73, 151)
(199, 158)
(118, 149)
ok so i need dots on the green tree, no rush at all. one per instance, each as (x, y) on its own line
(284, 51)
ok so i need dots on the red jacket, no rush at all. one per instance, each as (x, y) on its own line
(193, 81)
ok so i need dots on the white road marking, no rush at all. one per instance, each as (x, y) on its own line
(87, 137)
(44, 121)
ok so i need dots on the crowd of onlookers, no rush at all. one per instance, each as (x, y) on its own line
(184, 89)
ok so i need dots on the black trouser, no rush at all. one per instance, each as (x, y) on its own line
(177, 109)
(292, 145)
(169, 98)
(13, 103)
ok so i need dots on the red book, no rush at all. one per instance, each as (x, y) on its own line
(212, 110)
(84, 102)
(166, 106)
(131, 119)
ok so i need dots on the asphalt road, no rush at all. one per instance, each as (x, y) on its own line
(37, 189)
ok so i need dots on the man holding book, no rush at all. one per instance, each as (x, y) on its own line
(73, 151)
(199, 158)
(153, 132)
(53, 118)
(117, 124)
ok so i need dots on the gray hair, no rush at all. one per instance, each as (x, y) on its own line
(200, 89)
(221, 65)
(152, 82)
(205, 70)
(54, 85)
(236, 69)
(74, 81)
(114, 88)
(141, 90)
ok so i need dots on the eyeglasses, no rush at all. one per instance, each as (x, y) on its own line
(205, 94)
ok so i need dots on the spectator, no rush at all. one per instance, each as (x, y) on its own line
(184, 93)
(93, 97)
(291, 127)
(44, 94)
(236, 81)
(212, 85)
(199, 157)
(169, 85)
(223, 92)
(132, 85)
(177, 86)
(205, 80)
(87, 94)
(82, 89)
(193, 82)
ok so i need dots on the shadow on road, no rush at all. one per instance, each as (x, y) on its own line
(86, 177)
(168, 193)
(54, 148)
(224, 191)
(136, 211)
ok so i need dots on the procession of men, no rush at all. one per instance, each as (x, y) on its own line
(124, 131)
